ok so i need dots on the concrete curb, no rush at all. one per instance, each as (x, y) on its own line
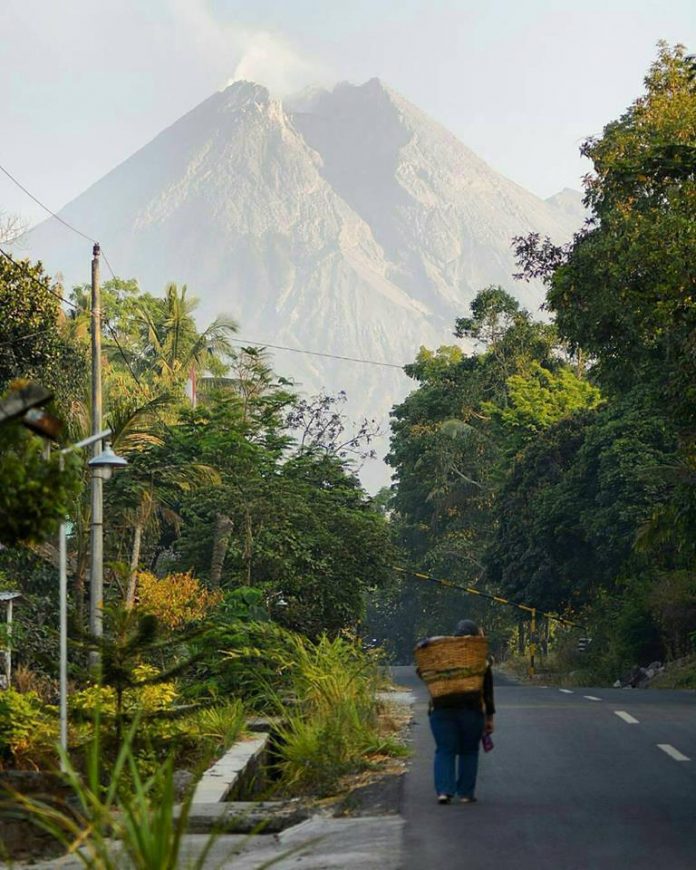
(239, 763)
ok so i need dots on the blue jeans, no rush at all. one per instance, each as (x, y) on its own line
(457, 732)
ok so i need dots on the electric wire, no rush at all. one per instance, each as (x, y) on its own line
(19, 264)
(45, 207)
(25, 337)
(105, 321)
(239, 341)
(112, 331)
(372, 362)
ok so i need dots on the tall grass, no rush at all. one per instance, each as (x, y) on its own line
(109, 827)
(324, 693)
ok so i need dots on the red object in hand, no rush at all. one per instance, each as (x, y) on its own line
(487, 742)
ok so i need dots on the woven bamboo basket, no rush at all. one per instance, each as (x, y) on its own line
(450, 665)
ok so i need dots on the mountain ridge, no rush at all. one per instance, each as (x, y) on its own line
(343, 221)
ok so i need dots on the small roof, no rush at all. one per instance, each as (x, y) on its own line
(9, 596)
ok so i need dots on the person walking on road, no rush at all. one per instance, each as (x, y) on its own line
(462, 707)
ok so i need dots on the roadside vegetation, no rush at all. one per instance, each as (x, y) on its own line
(239, 523)
(247, 572)
(556, 463)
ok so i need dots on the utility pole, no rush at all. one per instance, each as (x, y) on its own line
(96, 580)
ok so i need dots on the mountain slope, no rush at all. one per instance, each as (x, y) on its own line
(345, 222)
(442, 216)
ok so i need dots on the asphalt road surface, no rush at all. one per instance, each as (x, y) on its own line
(593, 778)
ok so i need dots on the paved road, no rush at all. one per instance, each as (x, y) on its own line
(570, 785)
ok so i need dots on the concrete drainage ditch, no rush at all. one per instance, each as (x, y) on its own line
(223, 797)
(224, 801)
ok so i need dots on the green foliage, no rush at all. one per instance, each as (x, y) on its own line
(34, 341)
(451, 453)
(27, 728)
(539, 398)
(300, 527)
(220, 725)
(624, 290)
(145, 696)
(568, 515)
(493, 312)
(111, 822)
(679, 675)
(324, 693)
(673, 602)
(35, 493)
(36, 614)
(129, 685)
(240, 622)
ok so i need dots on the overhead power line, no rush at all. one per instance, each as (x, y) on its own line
(244, 342)
(89, 238)
(43, 206)
(371, 362)
(56, 216)
(18, 264)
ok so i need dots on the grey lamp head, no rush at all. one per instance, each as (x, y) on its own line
(107, 459)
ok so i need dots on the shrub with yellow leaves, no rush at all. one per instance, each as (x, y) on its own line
(177, 599)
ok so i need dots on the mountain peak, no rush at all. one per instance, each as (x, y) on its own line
(242, 93)
(357, 225)
(373, 89)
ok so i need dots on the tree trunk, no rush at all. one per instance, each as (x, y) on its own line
(134, 562)
(248, 547)
(521, 640)
(221, 539)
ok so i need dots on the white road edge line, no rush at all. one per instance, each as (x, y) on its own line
(567, 691)
(622, 714)
(672, 752)
(591, 698)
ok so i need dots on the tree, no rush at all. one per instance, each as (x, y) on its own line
(538, 399)
(319, 425)
(298, 524)
(568, 515)
(623, 290)
(174, 347)
(447, 456)
(35, 493)
(493, 312)
(33, 338)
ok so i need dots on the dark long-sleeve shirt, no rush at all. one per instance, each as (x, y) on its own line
(482, 700)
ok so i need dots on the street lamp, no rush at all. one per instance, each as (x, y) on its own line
(107, 459)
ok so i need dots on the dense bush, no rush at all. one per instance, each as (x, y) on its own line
(28, 729)
(325, 695)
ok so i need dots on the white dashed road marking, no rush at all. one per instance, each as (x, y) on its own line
(567, 691)
(622, 714)
(591, 698)
(672, 752)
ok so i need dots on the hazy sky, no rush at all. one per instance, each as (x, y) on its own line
(521, 82)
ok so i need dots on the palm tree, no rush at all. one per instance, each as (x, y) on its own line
(175, 348)
(169, 352)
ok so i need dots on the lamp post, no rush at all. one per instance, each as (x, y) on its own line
(107, 460)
